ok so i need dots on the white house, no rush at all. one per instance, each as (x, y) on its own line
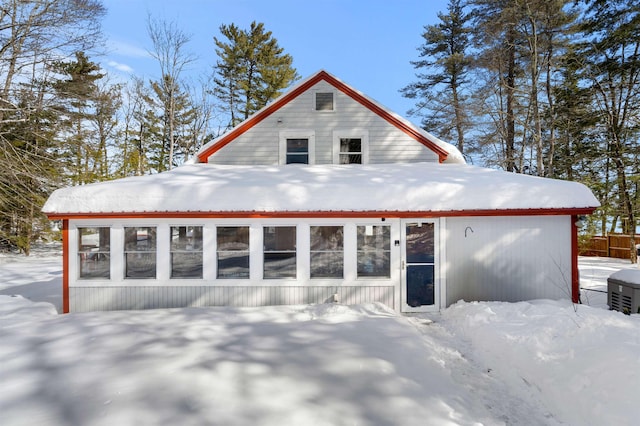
(323, 195)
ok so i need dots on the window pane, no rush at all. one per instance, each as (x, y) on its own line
(140, 239)
(374, 251)
(233, 251)
(297, 159)
(94, 252)
(279, 252)
(186, 238)
(350, 159)
(327, 264)
(350, 145)
(374, 264)
(279, 265)
(327, 238)
(233, 264)
(186, 252)
(324, 101)
(280, 238)
(231, 238)
(140, 252)
(420, 243)
(140, 265)
(297, 146)
(186, 265)
(327, 244)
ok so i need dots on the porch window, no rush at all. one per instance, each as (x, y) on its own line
(297, 151)
(140, 252)
(186, 252)
(327, 251)
(94, 254)
(280, 252)
(350, 151)
(233, 252)
(374, 251)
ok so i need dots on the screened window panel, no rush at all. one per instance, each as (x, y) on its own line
(280, 252)
(374, 251)
(233, 252)
(94, 252)
(140, 252)
(327, 251)
(186, 252)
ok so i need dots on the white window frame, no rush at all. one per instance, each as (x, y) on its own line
(362, 134)
(310, 135)
(328, 111)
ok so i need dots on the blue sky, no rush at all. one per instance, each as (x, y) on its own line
(367, 43)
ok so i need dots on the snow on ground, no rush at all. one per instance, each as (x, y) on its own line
(529, 363)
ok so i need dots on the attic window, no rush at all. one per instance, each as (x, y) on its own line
(324, 101)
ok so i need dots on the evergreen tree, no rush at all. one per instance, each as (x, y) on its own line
(611, 48)
(77, 95)
(440, 89)
(252, 70)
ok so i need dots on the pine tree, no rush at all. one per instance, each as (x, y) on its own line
(444, 68)
(252, 70)
(77, 94)
(612, 67)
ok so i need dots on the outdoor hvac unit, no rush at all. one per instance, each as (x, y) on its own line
(624, 291)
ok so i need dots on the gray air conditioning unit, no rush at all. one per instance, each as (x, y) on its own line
(624, 291)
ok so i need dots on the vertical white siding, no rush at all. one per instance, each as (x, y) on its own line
(508, 258)
(260, 145)
(83, 299)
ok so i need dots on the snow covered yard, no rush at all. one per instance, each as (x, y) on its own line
(535, 363)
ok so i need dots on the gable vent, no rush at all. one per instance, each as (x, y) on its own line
(324, 101)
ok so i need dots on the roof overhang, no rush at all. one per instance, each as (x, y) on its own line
(323, 214)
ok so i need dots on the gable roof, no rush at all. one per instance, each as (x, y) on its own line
(413, 189)
(445, 151)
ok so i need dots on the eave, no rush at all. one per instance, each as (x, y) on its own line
(323, 214)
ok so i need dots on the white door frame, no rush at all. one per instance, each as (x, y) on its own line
(404, 307)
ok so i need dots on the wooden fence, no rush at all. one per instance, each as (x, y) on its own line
(612, 245)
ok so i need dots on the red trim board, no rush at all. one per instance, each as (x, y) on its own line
(321, 214)
(65, 266)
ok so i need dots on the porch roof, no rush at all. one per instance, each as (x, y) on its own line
(415, 187)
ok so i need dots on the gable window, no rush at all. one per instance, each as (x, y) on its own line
(297, 151)
(374, 251)
(351, 146)
(140, 252)
(350, 151)
(327, 251)
(94, 252)
(186, 252)
(324, 101)
(233, 251)
(280, 252)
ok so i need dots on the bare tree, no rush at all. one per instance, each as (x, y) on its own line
(169, 49)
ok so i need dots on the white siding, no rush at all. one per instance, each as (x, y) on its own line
(508, 258)
(260, 145)
(84, 299)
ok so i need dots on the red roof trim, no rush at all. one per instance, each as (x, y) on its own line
(321, 214)
(288, 97)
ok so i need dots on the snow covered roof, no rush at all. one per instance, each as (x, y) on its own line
(446, 151)
(414, 187)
